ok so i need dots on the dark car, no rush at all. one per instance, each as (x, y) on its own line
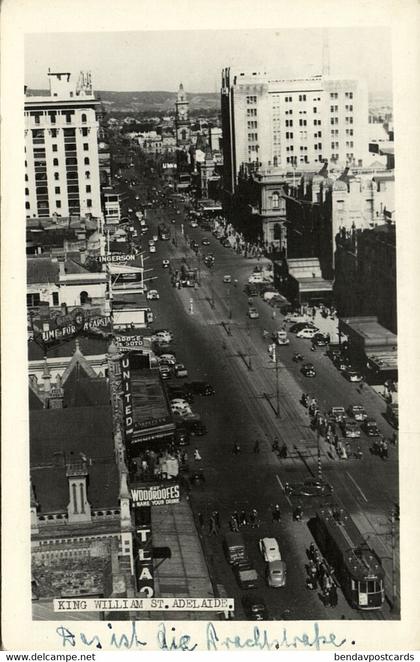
(196, 428)
(370, 426)
(180, 393)
(251, 290)
(298, 326)
(182, 437)
(255, 608)
(308, 370)
(200, 388)
(352, 375)
(310, 487)
(320, 339)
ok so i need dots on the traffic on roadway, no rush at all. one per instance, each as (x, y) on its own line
(281, 440)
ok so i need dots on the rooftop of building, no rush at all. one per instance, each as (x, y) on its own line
(76, 434)
(369, 328)
(150, 404)
(41, 270)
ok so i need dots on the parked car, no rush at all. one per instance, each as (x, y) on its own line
(227, 278)
(251, 290)
(196, 428)
(338, 414)
(357, 412)
(307, 334)
(180, 408)
(269, 549)
(298, 326)
(254, 607)
(245, 574)
(280, 337)
(392, 414)
(152, 249)
(370, 426)
(275, 574)
(165, 371)
(253, 313)
(352, 375)
(163, 334)
(320, 339)
(179, 401)
(200, 388)
(180, 370)
(350, 429)
(182, 438)
(180, 393)
(152, 294)
(308, 370)
(168, 359)
(205, 242)
(234, 547)
(165, 264)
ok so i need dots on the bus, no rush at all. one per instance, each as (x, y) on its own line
(357, 567)
(163, 231)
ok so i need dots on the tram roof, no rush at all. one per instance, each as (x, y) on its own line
(360, 559)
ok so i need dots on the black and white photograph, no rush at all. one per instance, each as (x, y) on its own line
(209, 231)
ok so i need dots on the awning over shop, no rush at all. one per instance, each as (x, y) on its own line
(117, 269)
(386, 361)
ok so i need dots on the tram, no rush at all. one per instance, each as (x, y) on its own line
(357, 567)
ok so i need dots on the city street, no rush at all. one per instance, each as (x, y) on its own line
(243, 410)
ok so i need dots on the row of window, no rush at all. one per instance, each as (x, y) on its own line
(253, 124)
(52, 114)
(58, 204)
(348, 95)
(251, 100)
(57, 189)
(251, 112)
(252, 137)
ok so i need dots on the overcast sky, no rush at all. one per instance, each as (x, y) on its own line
(157, 60)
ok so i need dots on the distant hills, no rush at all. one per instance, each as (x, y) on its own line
(156, 101)
(164, 102)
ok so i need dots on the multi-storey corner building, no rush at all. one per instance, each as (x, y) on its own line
(61, 149)
(291, 121)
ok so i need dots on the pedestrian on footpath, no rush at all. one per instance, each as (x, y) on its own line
(213, 526)
(201, 520)
(244, 518)
(235, 516)
(236, 448)
(257, 446)
(333, 596)
(216, 516)
(197, 456)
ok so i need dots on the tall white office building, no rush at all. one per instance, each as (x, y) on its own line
(290, 122)
(61, 149)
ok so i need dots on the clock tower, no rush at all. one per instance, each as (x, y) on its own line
(182, 122)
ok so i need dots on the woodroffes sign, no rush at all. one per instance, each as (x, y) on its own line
(155, 495)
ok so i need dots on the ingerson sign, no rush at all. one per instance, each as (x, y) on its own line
(155, 495)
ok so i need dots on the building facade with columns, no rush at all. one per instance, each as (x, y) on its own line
(61, 149)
